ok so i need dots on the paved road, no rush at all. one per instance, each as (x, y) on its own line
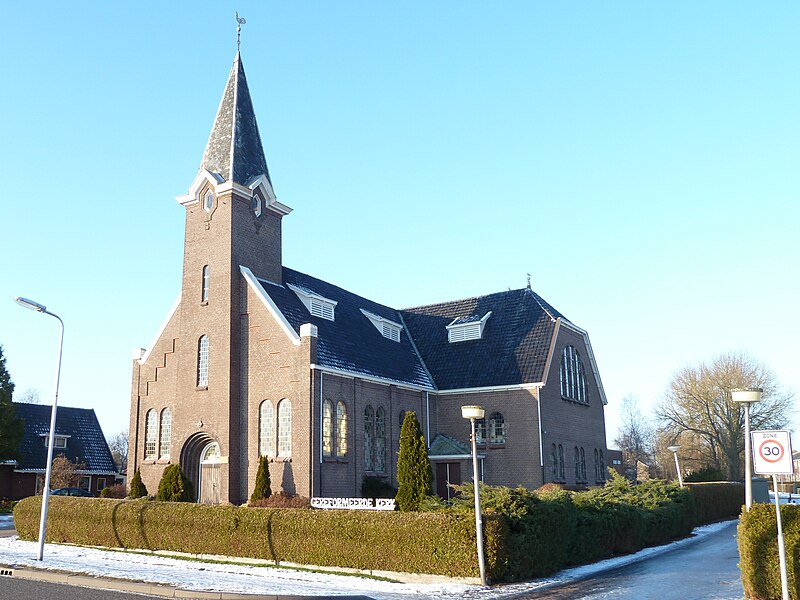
(706, 570)
(20, 589)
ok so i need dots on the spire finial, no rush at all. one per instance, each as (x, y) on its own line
(239, 22)
(529, 281)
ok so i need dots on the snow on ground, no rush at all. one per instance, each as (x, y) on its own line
(199, 576)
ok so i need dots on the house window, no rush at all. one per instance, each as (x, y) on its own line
(59, 441)
(497, 429)
(327, 428)
(150, 435)
(369, 438)
(165, 431)
(380, 440)
(85, 483)
(101, 484)
(572, 376)
(284, 428)
(206, 283)
(202, 362)
(341, 429)
(265, 441)
(208, 201)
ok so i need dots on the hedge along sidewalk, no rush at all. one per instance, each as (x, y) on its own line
(758, 551)
(432, 543)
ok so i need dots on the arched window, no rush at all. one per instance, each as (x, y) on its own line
(572, 376)
(480, 431)
(554, 462)
(583, 465)
(206, 283)
(327, 428)
(380, 440)
(341, 429)
(165, 431)
(150, 434)
(497, 429)
(284, 428)
(266, 443)
(369, 438)
(402, 418)
(577, 460)
(596, 465)
(202, 362)
(602, 466)
(561, 469)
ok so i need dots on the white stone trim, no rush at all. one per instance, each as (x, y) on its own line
(271, 306)
(204, 176)
(160, 331)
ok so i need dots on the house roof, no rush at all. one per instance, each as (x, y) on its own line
(512, 349)
(234, 149)
(444, 445)
(350, 342)
(85, 443)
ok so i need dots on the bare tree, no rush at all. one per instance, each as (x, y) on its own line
(118, 444)
(65, 473)
(698, 408)
(29, 396)
(634, 438)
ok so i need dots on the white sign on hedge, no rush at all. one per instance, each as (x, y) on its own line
(354, 503)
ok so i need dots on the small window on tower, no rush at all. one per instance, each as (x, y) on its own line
(256, 205)
(208, 201)
(206, 284)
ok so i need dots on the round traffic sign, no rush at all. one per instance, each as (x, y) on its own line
(771, 450)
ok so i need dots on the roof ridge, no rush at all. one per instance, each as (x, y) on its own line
(445, 302)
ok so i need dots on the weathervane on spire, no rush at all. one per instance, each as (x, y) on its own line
(239, 22)
(529, 281)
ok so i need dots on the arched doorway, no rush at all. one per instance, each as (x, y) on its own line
(200, 454)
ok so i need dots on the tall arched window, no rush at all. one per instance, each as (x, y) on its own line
(164, 433)
(202, 362)
(572, 376)
(602, 466)
(206, 284)
(150, 434)
(380, 440)
(497, 429)
(341, 429)
(327, 428)
(284, 428)
(577, 460)
(596, 465)
(369, 438)
(583, 465)
(266, 442)
(554, 462)
(561, 468)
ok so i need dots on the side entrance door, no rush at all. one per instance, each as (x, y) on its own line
(447, 473)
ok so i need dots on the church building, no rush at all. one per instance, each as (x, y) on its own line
(257, 359)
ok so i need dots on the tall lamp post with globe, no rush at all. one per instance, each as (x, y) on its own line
(50, 441)
(746, 397)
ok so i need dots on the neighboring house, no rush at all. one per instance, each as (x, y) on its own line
(256, 359)
(78, 437)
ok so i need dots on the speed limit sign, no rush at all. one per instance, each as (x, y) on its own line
(772, 452)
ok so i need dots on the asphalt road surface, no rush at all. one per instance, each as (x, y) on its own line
(25, 589)
(706, 570)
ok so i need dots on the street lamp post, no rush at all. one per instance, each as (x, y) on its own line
(674, 449)
(747, 397)
(51, 438)
(474, 413)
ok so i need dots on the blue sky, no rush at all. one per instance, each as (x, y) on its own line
(639, 160)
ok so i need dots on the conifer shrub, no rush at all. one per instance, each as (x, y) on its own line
(414, 472)
(262, 488)
(707, 473)
(174, 486)
(758, 551)
(377, 487)
(113, 491)
(138, 489)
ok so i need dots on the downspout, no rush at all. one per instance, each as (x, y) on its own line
(541, 442)
(321, 416)
(428, 419)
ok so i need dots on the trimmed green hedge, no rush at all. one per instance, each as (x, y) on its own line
(435, 543)
(715, 501)
(758, 551)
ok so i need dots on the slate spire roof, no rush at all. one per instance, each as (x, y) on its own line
(234, 149)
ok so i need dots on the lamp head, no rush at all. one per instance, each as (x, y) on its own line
(747, 395)
(472, 412)
(673, 449)
(30, 304)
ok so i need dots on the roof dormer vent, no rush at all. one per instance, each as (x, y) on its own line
(317, 305)
(467, 328)
(389, 329)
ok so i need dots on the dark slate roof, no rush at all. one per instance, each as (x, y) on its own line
(512, 350)
(243, 159)
(86, 442)
(351, 342)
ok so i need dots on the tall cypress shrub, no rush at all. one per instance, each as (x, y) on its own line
(263, 488)
(138, 489)
(413, 467)
(174, 486)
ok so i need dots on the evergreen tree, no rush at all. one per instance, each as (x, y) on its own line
(413, 467)
(174, 486)
(11, 427)
(263, 488)
(138, 489)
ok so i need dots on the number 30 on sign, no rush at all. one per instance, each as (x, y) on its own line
(772, 452)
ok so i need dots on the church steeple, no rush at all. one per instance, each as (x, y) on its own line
(234, 152)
